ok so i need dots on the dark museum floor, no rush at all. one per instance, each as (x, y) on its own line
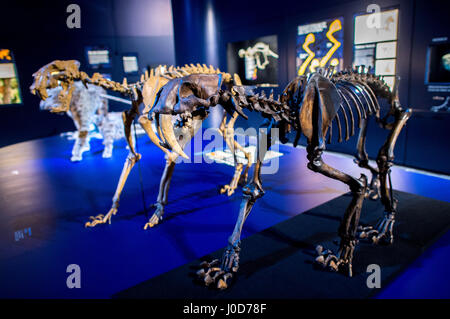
(48, 199)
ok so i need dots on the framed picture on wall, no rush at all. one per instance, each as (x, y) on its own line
(130, 63)
(438, 64)
(255, 61)
(9, 81)
(320, 45)
(375, 43)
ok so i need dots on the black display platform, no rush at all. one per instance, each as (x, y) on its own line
(278, 262)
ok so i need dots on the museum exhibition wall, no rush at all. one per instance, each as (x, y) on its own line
(421, 143)
(205, 31)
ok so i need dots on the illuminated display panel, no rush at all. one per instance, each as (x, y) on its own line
(438, 63)
(9, 82)
(375, 43)
(320, 45)
(98, 57)
(255, 61)
(130, 63)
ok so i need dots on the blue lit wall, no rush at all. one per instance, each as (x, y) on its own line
(423, 144)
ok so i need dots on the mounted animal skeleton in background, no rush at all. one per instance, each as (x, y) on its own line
(313, 103)
(88, 108)
(183, 93)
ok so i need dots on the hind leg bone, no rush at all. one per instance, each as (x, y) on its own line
(342, 261)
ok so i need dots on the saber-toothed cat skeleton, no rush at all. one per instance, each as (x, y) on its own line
(314, 102)
(153, 102)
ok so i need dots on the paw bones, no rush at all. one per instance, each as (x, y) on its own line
(211, 273)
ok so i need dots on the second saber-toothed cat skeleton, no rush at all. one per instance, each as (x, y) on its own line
(308, 105)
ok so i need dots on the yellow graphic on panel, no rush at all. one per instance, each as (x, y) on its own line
(4, 54)
(314, 63)
(309, 40)
(334, 27)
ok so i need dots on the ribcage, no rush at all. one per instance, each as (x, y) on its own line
(358, 103)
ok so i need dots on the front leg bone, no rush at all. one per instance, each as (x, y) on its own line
(341, 262)
(220, 271)
(103, 219)
(156, 217)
